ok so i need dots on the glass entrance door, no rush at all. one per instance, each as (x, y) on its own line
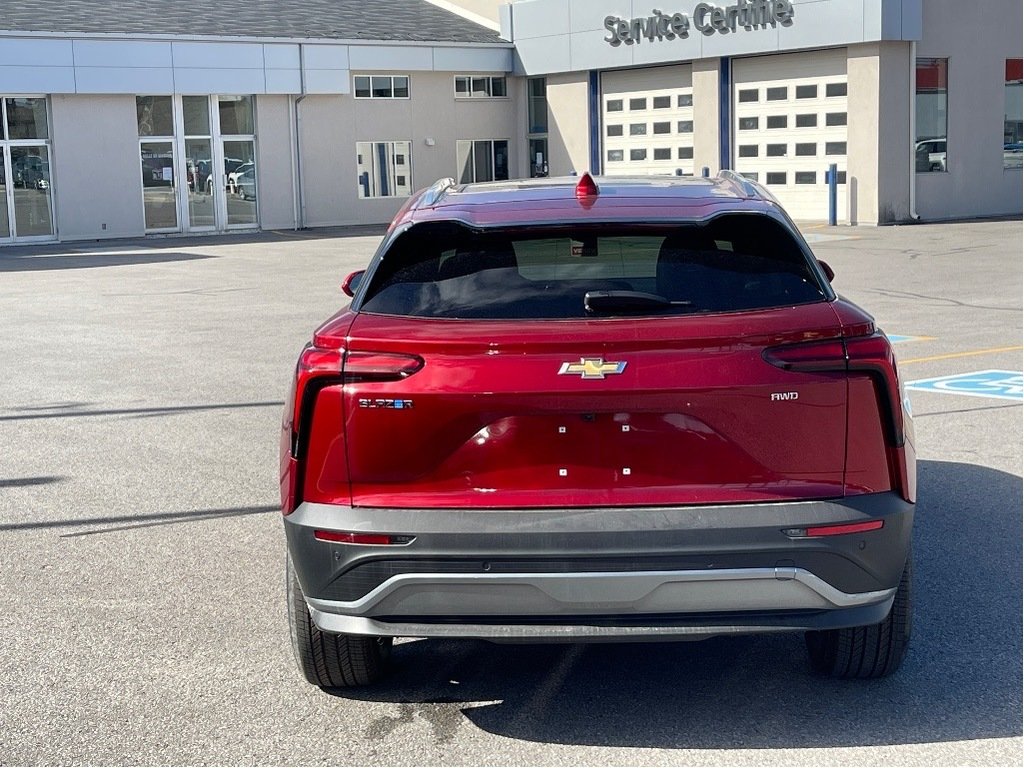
(159, 186)
(26, 206)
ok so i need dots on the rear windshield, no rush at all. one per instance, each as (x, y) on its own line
(733, 263)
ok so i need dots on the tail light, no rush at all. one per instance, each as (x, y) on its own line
(354, 537)
(318, 368)
(380, 366)
(871, 354)
(840, 529)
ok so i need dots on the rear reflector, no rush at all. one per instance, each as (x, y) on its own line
(834, 530)
(349, 537)
(380, 366)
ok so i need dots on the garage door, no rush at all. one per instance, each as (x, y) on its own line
(789, 124)
(647, 121)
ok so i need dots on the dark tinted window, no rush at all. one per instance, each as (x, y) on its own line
(805, 177)
(777, 121)
(748, 123)
(735, 262)
(778, 177)
(685, 100)
(638, 103)
(807, 91)
(835, 89)
(777, 94)
(663, 153)
(614, 130)
(662, 102)
(748, 150)
(615, 105)
(665, 127)
(806, 149)
(835, 118)
(835, 147)
(748, 94)
(806, 121)
(685, 153)
(775, 150)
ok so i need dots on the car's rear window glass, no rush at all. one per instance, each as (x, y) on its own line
(733, 263)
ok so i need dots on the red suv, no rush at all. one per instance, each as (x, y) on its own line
(596, 409)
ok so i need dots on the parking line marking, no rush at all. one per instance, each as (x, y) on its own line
(990, 351)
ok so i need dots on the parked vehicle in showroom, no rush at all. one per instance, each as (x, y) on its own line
(596, 409)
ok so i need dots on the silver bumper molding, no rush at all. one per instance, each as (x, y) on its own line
(565, 600)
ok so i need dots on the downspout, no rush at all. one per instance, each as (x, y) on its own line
(298, 190)
(914, 215)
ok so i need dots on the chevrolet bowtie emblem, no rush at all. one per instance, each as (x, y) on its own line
(592, 368)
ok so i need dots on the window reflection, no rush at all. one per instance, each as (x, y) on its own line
(931, 103)
(1012, 139)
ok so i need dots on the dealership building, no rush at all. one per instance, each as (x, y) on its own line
(140, 119)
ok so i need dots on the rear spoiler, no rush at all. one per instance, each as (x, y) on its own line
(750, 188)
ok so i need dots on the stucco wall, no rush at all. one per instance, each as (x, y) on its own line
(274, 168)
(331, 126)
(568, 123)
(706, 120)
(977, 45)
(97, 176)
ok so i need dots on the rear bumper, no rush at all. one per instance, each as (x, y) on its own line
(615, 573)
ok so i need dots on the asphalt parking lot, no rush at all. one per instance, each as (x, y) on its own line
(141, 568)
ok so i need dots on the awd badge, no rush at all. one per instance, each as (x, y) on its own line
(592, 368)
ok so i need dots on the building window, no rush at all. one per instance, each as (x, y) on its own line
(614, 130)
(637, 104)
(638, 129)
(806, 121)
(775, 150)
(638, 154)
(615, 155)
(835, 118)
(805, 177)
(381, 166)
(537, 106)
(835, 147)
(663, 153)
(749, 175)
(665, 127)
(381, 86)
(931, 102)
(777, 121)
(748, 150)
(537, 125)
(685, 126)
(614, 105)
(748, 123)
(809, 149)
(480, 86)
(1012, 116)
(807, 92)
(685, 153)
(25, 145)
(662, 102)
(776, 178)
(748, 95)
(485, 160)
(684, 100)
(835, 89)
(777, 94)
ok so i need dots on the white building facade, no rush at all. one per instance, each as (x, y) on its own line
(917, 103)
(293, 117)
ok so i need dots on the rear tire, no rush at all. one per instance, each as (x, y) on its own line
(328, 660)
(867, 652)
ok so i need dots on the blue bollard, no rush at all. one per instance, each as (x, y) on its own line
(831, 176)
(705, 172)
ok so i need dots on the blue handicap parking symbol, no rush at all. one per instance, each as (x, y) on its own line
(1007, 385)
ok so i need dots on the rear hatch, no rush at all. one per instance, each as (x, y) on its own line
(695, 414)
(505, 391)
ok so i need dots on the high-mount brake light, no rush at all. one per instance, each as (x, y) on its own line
(352, 537)
(586, 188)
(834, 530)
(380, 366)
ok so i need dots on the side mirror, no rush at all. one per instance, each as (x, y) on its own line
(824, 268)
(351, 284)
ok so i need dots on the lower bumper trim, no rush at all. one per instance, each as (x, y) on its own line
(565, 603)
